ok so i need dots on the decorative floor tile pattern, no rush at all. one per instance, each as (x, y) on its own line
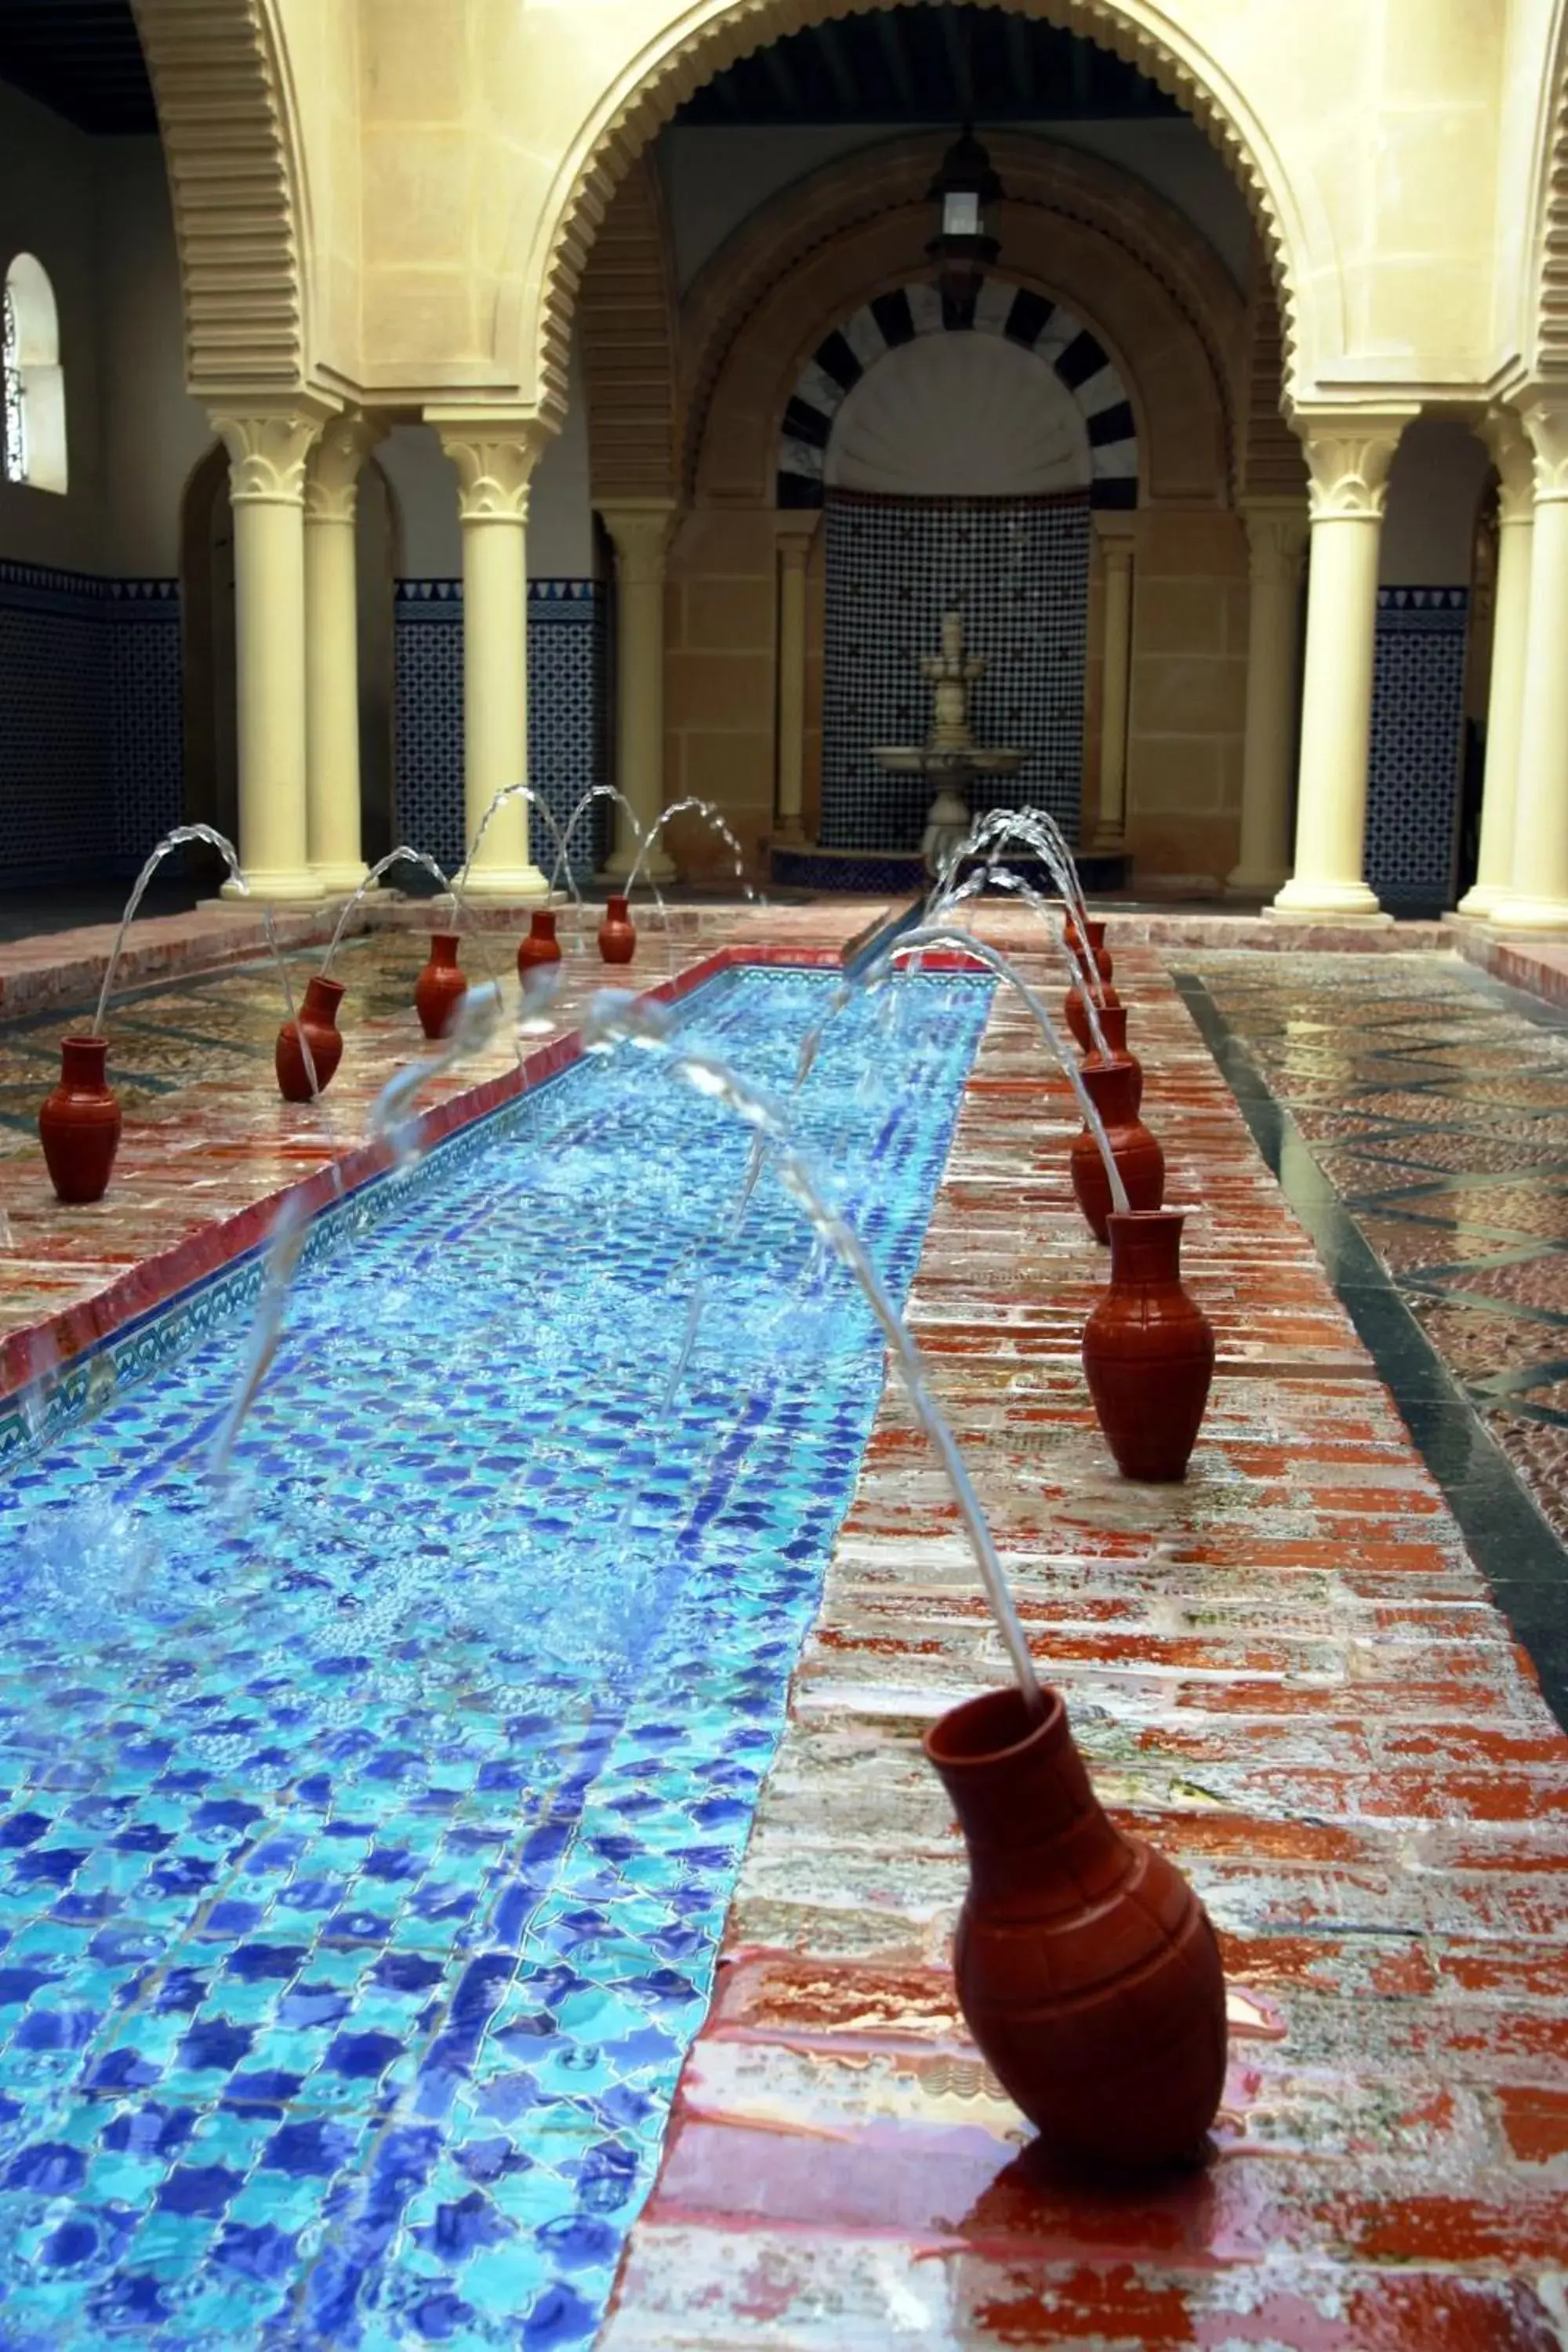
(1456, 1168)
(1289, 1672)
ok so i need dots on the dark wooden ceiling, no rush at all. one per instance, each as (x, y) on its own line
(939, 62)
(82, 58)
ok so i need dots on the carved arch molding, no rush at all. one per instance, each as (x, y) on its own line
(226, 119)
(750, 25)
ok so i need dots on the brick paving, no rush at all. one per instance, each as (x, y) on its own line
(1288, 1674)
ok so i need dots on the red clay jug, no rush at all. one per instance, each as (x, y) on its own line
(542, 946)
(441, 987)
(1113, 1022)
(1148, 1350)
(1073, 1004)
(318, 1019)
(78, 1125)
(1085, 1966)
(618, 933)
(1137, 1155)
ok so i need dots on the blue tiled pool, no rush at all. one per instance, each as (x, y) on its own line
(366, 1836)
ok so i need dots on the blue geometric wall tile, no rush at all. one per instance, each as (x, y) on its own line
(1018, 572)
(567, 717)
(89, 721)
(1417, 730)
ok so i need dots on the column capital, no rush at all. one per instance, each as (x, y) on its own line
(1514, 456)
(1545, 420)
(267, 450)
(495, 459)
(1347, 458)
(640, 531)
(1276, 532)
(331, 475)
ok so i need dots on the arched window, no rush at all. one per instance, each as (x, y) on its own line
(34, 387)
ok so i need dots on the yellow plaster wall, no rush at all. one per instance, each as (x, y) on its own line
(720, 681)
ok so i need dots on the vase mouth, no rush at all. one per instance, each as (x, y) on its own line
(447, 940)
(322, 984)
(1134, 1222)
(84, 1042)
(995, 1729)
(542, 923)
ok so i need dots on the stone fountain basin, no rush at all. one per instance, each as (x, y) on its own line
(922, 760)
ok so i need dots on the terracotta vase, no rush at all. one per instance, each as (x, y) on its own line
(540, 946)
(1113, 1022)
(1138, 1157)
(1148, 1350)
(1098, 949)
(1073, 1004)
(80, 1123)
(1085, 1966)
(441, 987)
(318, 1022)
(618, 933)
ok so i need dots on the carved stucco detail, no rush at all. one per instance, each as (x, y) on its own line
(234, 187)
(1514, 456)
(1348, 464)
(331, 478)
(1276, 543)
(1549, 338)
(267, 454)
(758, 23)
(1546, 422)
(495, 469)
(641, 537)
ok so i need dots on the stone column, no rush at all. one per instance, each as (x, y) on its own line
(1276, 542)
(267, 454)
(796, 534)
(495, 459)
(332, 654)
(1110, 834)
(1515, 461)
(1348, 459)
(1539, 897)
(639, 528)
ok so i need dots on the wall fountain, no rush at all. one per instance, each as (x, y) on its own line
(950, 756)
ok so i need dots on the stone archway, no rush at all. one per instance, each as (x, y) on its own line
(229, 124)
(545, 279)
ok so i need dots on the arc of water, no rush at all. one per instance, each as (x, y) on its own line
(1073, 943)
(461, 911)
(181, 835)
(521, 792)
(693, 806)
(610, 792)
(613, 1016)
(933, 935)
(1039, 830)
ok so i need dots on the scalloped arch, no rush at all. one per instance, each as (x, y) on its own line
(1546, 331)
(650, 94)
(219, 76)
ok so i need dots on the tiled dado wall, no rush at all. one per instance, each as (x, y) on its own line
(90, 722)
(568, 714)
(1418, 734)
(1018, 570)
(92, 718)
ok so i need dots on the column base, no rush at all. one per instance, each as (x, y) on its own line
(657, 867)
(1257, 882)
(340, 881)
(1301, 900)
(274, 885)
(1522, 914)
(506, 882)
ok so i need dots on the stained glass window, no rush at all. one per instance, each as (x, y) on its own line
(15, 411)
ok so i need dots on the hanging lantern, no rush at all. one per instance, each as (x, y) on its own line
(961, 251)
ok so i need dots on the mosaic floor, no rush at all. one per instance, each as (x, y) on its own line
(1289, 1672)
(1437, 1104)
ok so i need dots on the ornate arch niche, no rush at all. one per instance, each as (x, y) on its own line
(544, 279)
